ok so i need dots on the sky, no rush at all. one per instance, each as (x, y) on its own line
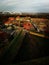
(24, 6)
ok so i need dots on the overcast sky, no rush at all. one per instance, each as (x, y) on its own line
(24, 5)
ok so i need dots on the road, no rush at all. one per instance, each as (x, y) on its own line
(24, 47)
(32, 47)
